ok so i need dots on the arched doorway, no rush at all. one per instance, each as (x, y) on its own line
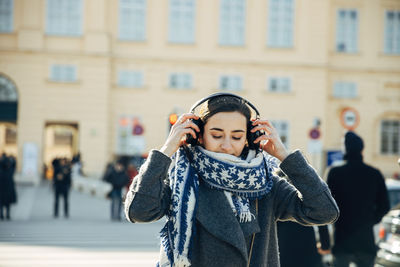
(8, 116)
(60, 141)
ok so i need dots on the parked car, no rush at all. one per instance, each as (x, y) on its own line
(393, 187)
(389, 244)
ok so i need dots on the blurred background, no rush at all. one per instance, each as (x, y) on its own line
(101, 77)
(103, 80)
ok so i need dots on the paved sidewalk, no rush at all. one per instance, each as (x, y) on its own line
(87, 238)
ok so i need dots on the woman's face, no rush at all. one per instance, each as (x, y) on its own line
(225, 132)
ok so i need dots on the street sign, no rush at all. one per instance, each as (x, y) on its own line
(333, 156)
(349, 118)
(314, 133)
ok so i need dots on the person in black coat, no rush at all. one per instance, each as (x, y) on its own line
(62, 184)
(298, 246)
(362, 197)
(8, 194)
(118, 177)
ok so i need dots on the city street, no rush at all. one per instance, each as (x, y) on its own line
(87, 238)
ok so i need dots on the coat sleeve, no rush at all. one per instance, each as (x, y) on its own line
(306, 198)
(148, 197)
(382, 198)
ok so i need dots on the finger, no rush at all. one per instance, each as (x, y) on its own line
(191, 124)
(190, 131)
(261, 138)
(258, 128)
(258, 122)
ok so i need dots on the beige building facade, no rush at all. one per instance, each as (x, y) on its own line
(101, 77)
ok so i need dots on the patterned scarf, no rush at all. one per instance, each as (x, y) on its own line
(241, 180)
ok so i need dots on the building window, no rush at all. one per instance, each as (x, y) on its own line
(230, 83)
(347, 30)
(390, 137)
(64, 17)
(279, 85)
(6, 15)
(128, 78)
(232, 22)
(180, 81)
(392, 32)
(8, 91)
(11, 136)
(132, 20)
(63, 73)
(282, 127)
(181, 21)
(345, 90)
(280, 23)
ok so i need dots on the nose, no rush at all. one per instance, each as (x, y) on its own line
(226, 145)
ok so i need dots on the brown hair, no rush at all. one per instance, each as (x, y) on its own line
(224, 104)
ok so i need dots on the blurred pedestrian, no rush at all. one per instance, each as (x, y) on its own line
(362, 197)
(118, 177)
(8, 194)
(76, 165)
(61, 184)
(298, 246)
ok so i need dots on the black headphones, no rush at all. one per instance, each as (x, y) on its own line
(251, 137)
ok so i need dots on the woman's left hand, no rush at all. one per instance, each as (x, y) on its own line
(273, 144)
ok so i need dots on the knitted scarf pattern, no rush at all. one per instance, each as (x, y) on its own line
(240, 179)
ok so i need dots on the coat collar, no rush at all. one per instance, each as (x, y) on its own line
(215, 214)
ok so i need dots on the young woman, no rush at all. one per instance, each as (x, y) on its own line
(221, 195)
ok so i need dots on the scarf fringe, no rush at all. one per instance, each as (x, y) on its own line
(249, 195)
(246, 216)
(181, 261)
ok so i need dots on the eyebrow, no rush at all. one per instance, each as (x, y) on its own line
(221, 130)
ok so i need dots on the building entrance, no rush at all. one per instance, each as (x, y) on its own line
(61, 141)
(8, 116)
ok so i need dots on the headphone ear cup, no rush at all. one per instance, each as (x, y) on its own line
(251, 137)
(189, 138)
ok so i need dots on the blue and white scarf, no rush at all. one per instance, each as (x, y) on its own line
(241, 180)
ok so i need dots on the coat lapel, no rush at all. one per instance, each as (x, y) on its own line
(215, 214)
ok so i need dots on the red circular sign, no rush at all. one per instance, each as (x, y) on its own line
(349, 118)
(315, 133)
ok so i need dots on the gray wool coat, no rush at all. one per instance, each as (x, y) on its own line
(220, 240)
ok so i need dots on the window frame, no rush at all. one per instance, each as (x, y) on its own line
(130, 78)
(63, 73)
(133, 8)
(279, 83)
(281, 23)
(184, 81)
(346, 31)
(8, 19)
(232, 32)
(395, 50)
(345, 90)
(183, 30)
(390, 146)
(53, 21)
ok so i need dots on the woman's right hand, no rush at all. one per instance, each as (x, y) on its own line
(177, 136)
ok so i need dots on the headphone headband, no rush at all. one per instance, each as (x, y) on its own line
(201, 101)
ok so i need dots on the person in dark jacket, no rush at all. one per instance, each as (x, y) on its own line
(8, 194)
(118, 177)
(61, 184)
(221, 195)
(362, 197)
(298, 246)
